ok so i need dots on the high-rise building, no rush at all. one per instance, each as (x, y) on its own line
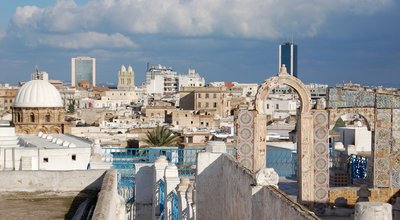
(288, 56)
(83, 68)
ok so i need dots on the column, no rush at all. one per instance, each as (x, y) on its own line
(181, 190)
(171, 181)
(190, 203)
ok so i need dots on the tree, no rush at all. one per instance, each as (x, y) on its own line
(161, 136)
(339, 124)
(71, 107)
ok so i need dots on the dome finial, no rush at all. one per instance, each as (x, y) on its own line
(283, 71)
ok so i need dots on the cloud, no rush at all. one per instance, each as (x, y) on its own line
(3, 33)
(86, 40)
(267, 19)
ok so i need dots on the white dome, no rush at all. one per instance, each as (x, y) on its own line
(38, 93)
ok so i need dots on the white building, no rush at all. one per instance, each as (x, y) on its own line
(42, 152)
(161, 80)
(359, 137)
(192, 79)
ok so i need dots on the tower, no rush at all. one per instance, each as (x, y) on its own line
(288, 56)
(126, 78)
(83, 68)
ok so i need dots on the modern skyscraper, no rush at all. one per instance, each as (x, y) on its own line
(83, 68)
(288, 56)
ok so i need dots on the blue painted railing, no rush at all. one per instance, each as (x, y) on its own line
(175, 206)
(161, 190)
(126, 179)
(184, 158)
(284, 161)
(358, 167)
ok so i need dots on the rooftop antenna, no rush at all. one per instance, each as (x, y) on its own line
(37, 68)
(292, 38)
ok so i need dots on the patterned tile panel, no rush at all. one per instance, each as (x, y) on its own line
(345, 98)
(321, 160)
(383, 143)
(395, 151)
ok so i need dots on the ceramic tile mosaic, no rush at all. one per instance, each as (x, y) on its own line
(344, 98)
(383, 143)
(321, 160)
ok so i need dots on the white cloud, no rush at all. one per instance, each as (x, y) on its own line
(237, 18)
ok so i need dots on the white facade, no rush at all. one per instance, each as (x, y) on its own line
(45, 152)
(155, 85)
(248, 89)
(161, 80)
(192, 79)
(360, 137)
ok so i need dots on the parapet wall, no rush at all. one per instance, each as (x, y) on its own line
(227, 190)
(109, 205)
(57, 181)
(271, 203)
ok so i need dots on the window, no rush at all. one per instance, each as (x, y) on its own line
(207, 138)
(201, 123)
(206, 104)
(207, 95)
(199, 95)
(185, 115)
(190, 139)
(18, 117)
(45, 159)
(177, 122)
(191, 122)
(277, 106)
(215, 104)
(199, 104)
(32, 116)
(267, 106)
(214, 96)
(47, 118)
(73, 157)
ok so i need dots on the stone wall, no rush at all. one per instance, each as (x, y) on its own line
(350, 193)
(58, 181)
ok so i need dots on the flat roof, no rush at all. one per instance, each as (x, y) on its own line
(45, 143)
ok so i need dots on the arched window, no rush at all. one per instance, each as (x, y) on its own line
(32, 116)
(18, 117)
(47, 118)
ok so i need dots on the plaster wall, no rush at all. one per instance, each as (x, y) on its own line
(227, 190)
(62, 181)
(144, 191)
(270, 203)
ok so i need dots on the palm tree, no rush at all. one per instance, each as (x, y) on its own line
(161, 136)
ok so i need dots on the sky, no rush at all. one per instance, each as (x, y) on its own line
(224, 40)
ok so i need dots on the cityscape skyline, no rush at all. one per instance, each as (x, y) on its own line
(342, 42)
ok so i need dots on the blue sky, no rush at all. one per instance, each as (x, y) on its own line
(236, 40)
